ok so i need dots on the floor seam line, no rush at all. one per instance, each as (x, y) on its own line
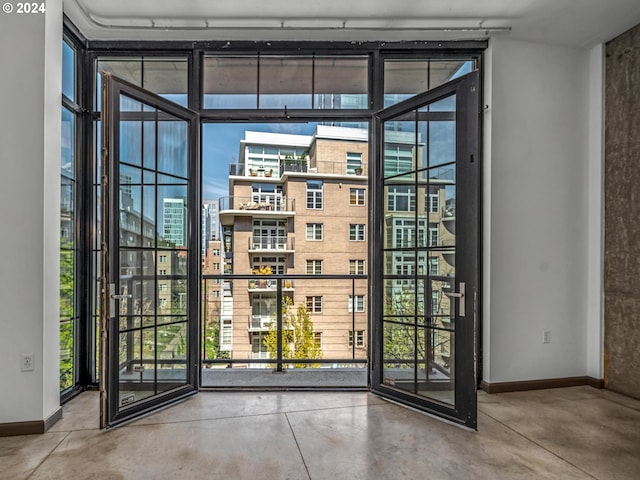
(295, 439)
(541, 446)
(49, 454)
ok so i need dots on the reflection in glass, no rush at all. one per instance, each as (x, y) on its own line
(419, 253)
(404, 79)
(285, 82)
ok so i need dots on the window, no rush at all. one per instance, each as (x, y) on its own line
(314, 231)
(70, 282)
(226, 334)
(433, 234)
(317, 340)
(216, 294)
(401, 199)
(359, 303)
(162, 271)
(356, 196)
(356, 232)
(162, 287)
(314, 304)
(434, 266)
(314, 194)
(314, 267)
(216, 266)
(433, 203)
(163, 259)
(359, 338)
(354, 163)
(281, 81)
(216, 252)
(356, 267)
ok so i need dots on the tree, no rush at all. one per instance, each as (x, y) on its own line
(298, 339)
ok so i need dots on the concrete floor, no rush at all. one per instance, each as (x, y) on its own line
(576, 433)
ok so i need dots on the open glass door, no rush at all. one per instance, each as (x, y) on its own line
(425, 251)
(150, 257)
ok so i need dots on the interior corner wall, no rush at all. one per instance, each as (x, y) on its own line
(622, 214)
(29, 208)
(536, 212)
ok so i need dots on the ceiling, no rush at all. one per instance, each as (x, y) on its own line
(571, 23)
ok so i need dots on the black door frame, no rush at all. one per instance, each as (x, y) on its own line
(110, 414)
(468, 244)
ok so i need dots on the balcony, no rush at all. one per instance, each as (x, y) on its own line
(260, 323)
(271, 243)
(263, 283)
(449, 218)
(264, 205)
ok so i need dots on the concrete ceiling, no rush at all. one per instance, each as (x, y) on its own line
(571, 23)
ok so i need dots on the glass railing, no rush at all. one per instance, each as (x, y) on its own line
(271, 243)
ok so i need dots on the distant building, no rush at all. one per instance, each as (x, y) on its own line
(174, 221)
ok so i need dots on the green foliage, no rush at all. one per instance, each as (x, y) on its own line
(212, 341)
(67, 310)
(298, 341)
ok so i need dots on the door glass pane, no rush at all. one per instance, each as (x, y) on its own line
(419, 253)
(152, 255)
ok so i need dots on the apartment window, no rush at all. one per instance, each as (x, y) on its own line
(434, 266)
(359, 303)
(162, 287)
(356, 196)
(216, 266)
(433, 235)
(317, 340)
(277, 264)
(358, 335)
(314, 231)
(216, 294)
(433, 203)
(162, 272)
(356, 267)
(401, 199)
(216, 252)
(226, 334)
(356, 232)
(314, 304)
(163, 259)
(314, 267)
(354, 163)
(314, 194)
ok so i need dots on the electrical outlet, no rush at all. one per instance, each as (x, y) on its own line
(27, 362)
(546, 336)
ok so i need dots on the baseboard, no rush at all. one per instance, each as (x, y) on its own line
(11, 429)
(503, 387)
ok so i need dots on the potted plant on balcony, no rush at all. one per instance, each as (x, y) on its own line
(263, 270)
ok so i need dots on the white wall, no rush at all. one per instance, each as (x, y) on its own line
(537, 212)
(29, 211)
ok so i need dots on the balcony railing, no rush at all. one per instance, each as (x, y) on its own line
(258, 203)
(233, 315)
(260, 323)
(263, 282)
(271, 243)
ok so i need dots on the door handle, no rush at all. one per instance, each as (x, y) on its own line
(461, 298)
(121, 297)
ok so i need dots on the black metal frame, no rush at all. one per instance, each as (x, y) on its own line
(87, 53)
(110, 412)
(468, 256)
